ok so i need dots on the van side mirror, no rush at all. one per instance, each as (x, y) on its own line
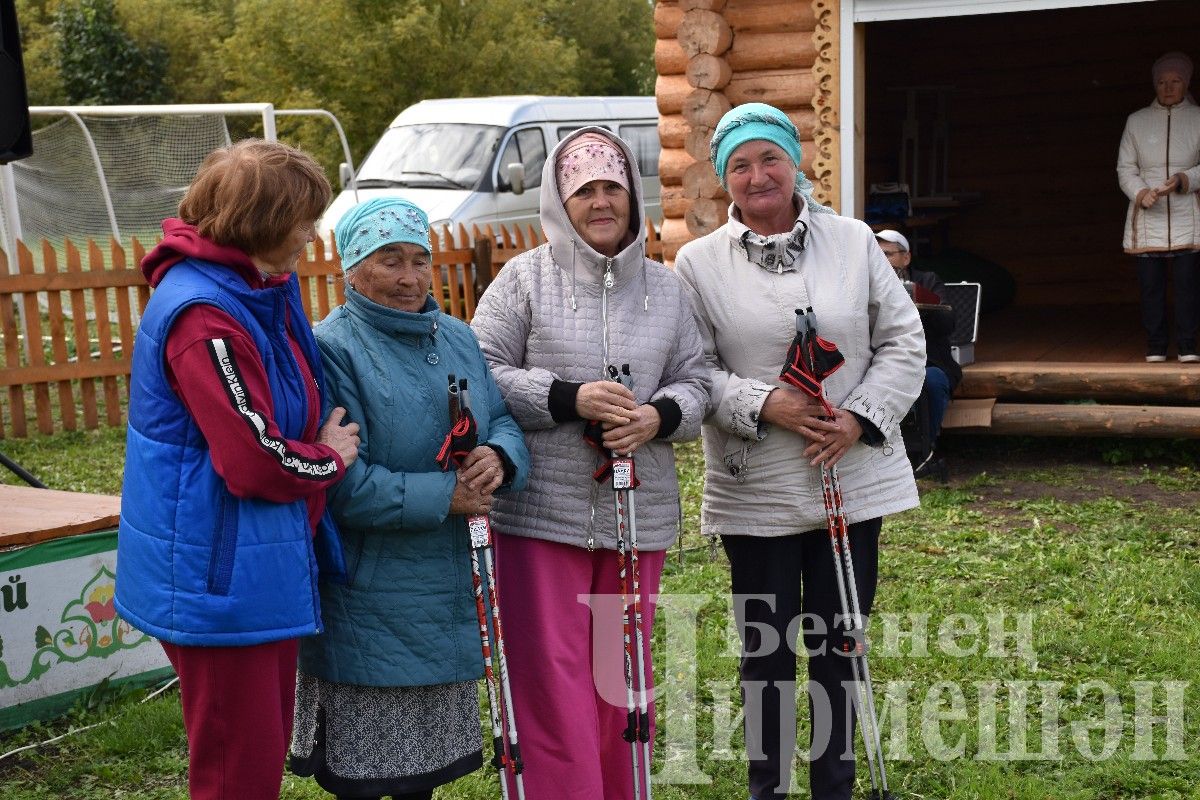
(515, 173)
(344, 174)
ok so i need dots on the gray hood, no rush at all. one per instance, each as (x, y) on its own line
(570, 252)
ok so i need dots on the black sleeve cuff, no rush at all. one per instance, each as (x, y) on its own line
(510, 469)
(871, 435)
(562, 401)
(671, 415)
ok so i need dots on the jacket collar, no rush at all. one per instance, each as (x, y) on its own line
(392, 322)
(778, 252)
(1187, 102)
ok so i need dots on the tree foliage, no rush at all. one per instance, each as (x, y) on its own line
(364, 60)
(100, 63)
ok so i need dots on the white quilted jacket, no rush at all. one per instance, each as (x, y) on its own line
(548, 315)
(1159, 142)
(748, 320)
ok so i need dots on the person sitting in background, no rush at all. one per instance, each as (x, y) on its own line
(942, 372)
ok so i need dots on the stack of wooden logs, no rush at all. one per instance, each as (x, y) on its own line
(712, 55)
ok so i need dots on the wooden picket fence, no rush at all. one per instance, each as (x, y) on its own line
(68, 319)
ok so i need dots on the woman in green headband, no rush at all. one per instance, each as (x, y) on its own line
(763, 440)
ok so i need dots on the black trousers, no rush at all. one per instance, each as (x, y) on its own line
(1152, 279)
(428, 795)
(775, 580)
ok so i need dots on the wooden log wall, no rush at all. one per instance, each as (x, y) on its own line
(711, 55)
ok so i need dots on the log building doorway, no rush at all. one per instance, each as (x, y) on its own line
(1008, 124)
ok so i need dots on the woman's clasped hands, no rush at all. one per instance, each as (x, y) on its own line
(829, 440)
(626, 424)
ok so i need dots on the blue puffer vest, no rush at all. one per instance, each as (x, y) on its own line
(195, 564)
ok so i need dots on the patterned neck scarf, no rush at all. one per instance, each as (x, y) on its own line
(778, 252)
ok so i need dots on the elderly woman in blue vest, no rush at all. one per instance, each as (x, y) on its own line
(226, 463)
(763, 440)
(386, 702)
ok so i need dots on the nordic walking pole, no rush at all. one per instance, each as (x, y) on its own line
(503, 757)
(480, 529)
(843, 561)
(637, 732)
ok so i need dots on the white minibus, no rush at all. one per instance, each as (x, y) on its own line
(479, 160)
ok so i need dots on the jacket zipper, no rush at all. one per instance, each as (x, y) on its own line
(1167, 165)
(608, 283)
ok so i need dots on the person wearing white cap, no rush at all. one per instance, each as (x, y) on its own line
(942, 372)
(1158, 167)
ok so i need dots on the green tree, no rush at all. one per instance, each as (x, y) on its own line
(366, 60)
(615, 40)
(39, 45)
(191, 31)
(100, 63)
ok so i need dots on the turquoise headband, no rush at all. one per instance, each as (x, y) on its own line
(746, 123)
(385, 220)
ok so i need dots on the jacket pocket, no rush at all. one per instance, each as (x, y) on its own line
(361, 561)
(220, 563)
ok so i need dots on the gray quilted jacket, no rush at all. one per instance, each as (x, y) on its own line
(549, 316)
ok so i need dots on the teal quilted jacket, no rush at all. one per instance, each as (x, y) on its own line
(407, 616)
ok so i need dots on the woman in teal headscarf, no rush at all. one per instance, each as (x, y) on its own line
(386, 698)
(781, 250)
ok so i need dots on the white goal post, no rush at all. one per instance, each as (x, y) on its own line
(95, 173)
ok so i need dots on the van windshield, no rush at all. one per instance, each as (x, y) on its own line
(433, 155)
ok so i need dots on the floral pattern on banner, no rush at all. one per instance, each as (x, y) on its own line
(92, 629)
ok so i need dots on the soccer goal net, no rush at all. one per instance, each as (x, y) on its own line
(116, 171)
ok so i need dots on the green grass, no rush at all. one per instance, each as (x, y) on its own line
(1099, 552)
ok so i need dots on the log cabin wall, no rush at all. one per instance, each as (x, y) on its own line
(712, 55)
(1035, 119)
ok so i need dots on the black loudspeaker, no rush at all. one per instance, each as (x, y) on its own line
(16, 141)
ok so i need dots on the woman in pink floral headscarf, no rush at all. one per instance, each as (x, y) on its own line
(552, 322)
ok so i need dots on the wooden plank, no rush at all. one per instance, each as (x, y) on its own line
(143, 289)
(65, 281)
(773, 50)
(83, 349)
(785, 89)
(58, 340)
(33, 339)
(125, 325)
(763, 16)
(37, 515)
(86, 371)
(1144, 383)
(1039, 419)
(703, 31)
(667, 16)
(468, 290)
(12, 359)
(112, 398)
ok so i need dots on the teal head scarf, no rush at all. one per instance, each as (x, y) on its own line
(385, 220)
(751, 121)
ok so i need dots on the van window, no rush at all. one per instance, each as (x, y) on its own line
(643, 140)
(431, 155)
(529, 147)
(564, 132)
